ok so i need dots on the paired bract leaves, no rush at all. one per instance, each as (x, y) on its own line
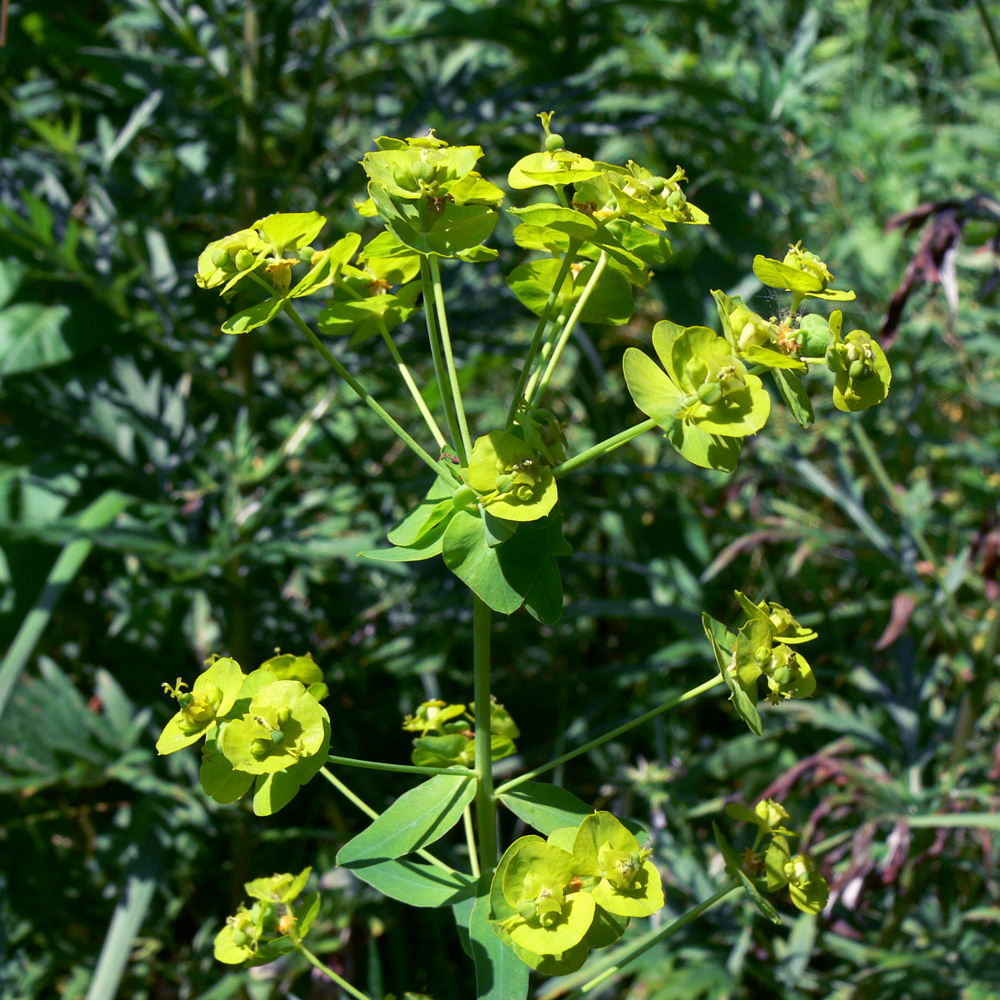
(703, 397)
(265, 729)
(272, 926)
(556, 899)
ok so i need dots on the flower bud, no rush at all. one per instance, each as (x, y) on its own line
(244, 259)
(220, 258)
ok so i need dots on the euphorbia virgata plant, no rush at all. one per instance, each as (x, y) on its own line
(492, 512)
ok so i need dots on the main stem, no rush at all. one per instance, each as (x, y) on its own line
(485, 801)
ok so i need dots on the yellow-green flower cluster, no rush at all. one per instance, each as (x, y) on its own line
(266, 729)
(555, 899)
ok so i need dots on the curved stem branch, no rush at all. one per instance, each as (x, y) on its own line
(418, 398)
(543, 321)
(440, 372)
(508, 786)
(574, 318)
(439, 467)
(641, 945)
(372, 814)
(376, 765)
(327, 971)
(602, 448)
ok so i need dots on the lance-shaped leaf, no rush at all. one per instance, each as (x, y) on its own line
(415, 883)
(796, 398)
(723, 646)
(562, 220)
(735, 867)
(417, 818)
(250, 319)
(546, 807)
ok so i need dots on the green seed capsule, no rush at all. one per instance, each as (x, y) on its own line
(465, 498)
(857, 369)
(244, 260)
(709, 393)
(423, 172)
(221, 257)
(260, 748)
(554, 142)
(676, 199)
(656, 185)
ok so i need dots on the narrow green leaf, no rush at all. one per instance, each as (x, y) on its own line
(545, 807)
(795, 396)
(416, 883)
(417, 818)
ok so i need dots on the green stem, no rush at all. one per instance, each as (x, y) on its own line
(574, 318)
(485, 800)
(439, 467)
(990, 30)
(373, 815)
(543, 321)
(377, 765)
(889, 490)
(440, 371)
(470, 840)
(508, 786)
(602, 448)
(545, 353)
(642, 944)
(464, 444)
(327, 971)
(432, 424)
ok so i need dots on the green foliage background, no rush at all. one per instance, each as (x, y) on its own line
(132, 133)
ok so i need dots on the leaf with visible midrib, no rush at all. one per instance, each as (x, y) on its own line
(417, 818)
